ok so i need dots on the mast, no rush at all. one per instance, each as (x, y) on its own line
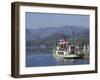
(72, 35)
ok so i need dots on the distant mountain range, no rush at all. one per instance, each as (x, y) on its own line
(56, 33)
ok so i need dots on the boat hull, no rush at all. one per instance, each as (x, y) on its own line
(71, 56)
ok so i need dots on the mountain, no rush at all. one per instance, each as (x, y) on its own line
(50, 36)
(84, 33)
(43, 33)
(55, 36)
(30, 36)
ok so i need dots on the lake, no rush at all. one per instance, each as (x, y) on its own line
(45, 58)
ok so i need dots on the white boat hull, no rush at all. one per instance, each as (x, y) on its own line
(66, 56)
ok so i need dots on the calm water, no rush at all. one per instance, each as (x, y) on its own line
(45, 58)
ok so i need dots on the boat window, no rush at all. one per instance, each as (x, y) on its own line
(60, 53)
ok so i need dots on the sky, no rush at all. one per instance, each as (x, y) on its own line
(44, 20)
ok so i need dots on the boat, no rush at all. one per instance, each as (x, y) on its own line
(65, 49)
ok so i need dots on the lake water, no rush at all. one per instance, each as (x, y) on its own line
(36, 59)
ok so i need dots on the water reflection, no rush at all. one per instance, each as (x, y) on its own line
(62, 61)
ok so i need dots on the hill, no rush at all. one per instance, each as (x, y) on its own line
(50, 36)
